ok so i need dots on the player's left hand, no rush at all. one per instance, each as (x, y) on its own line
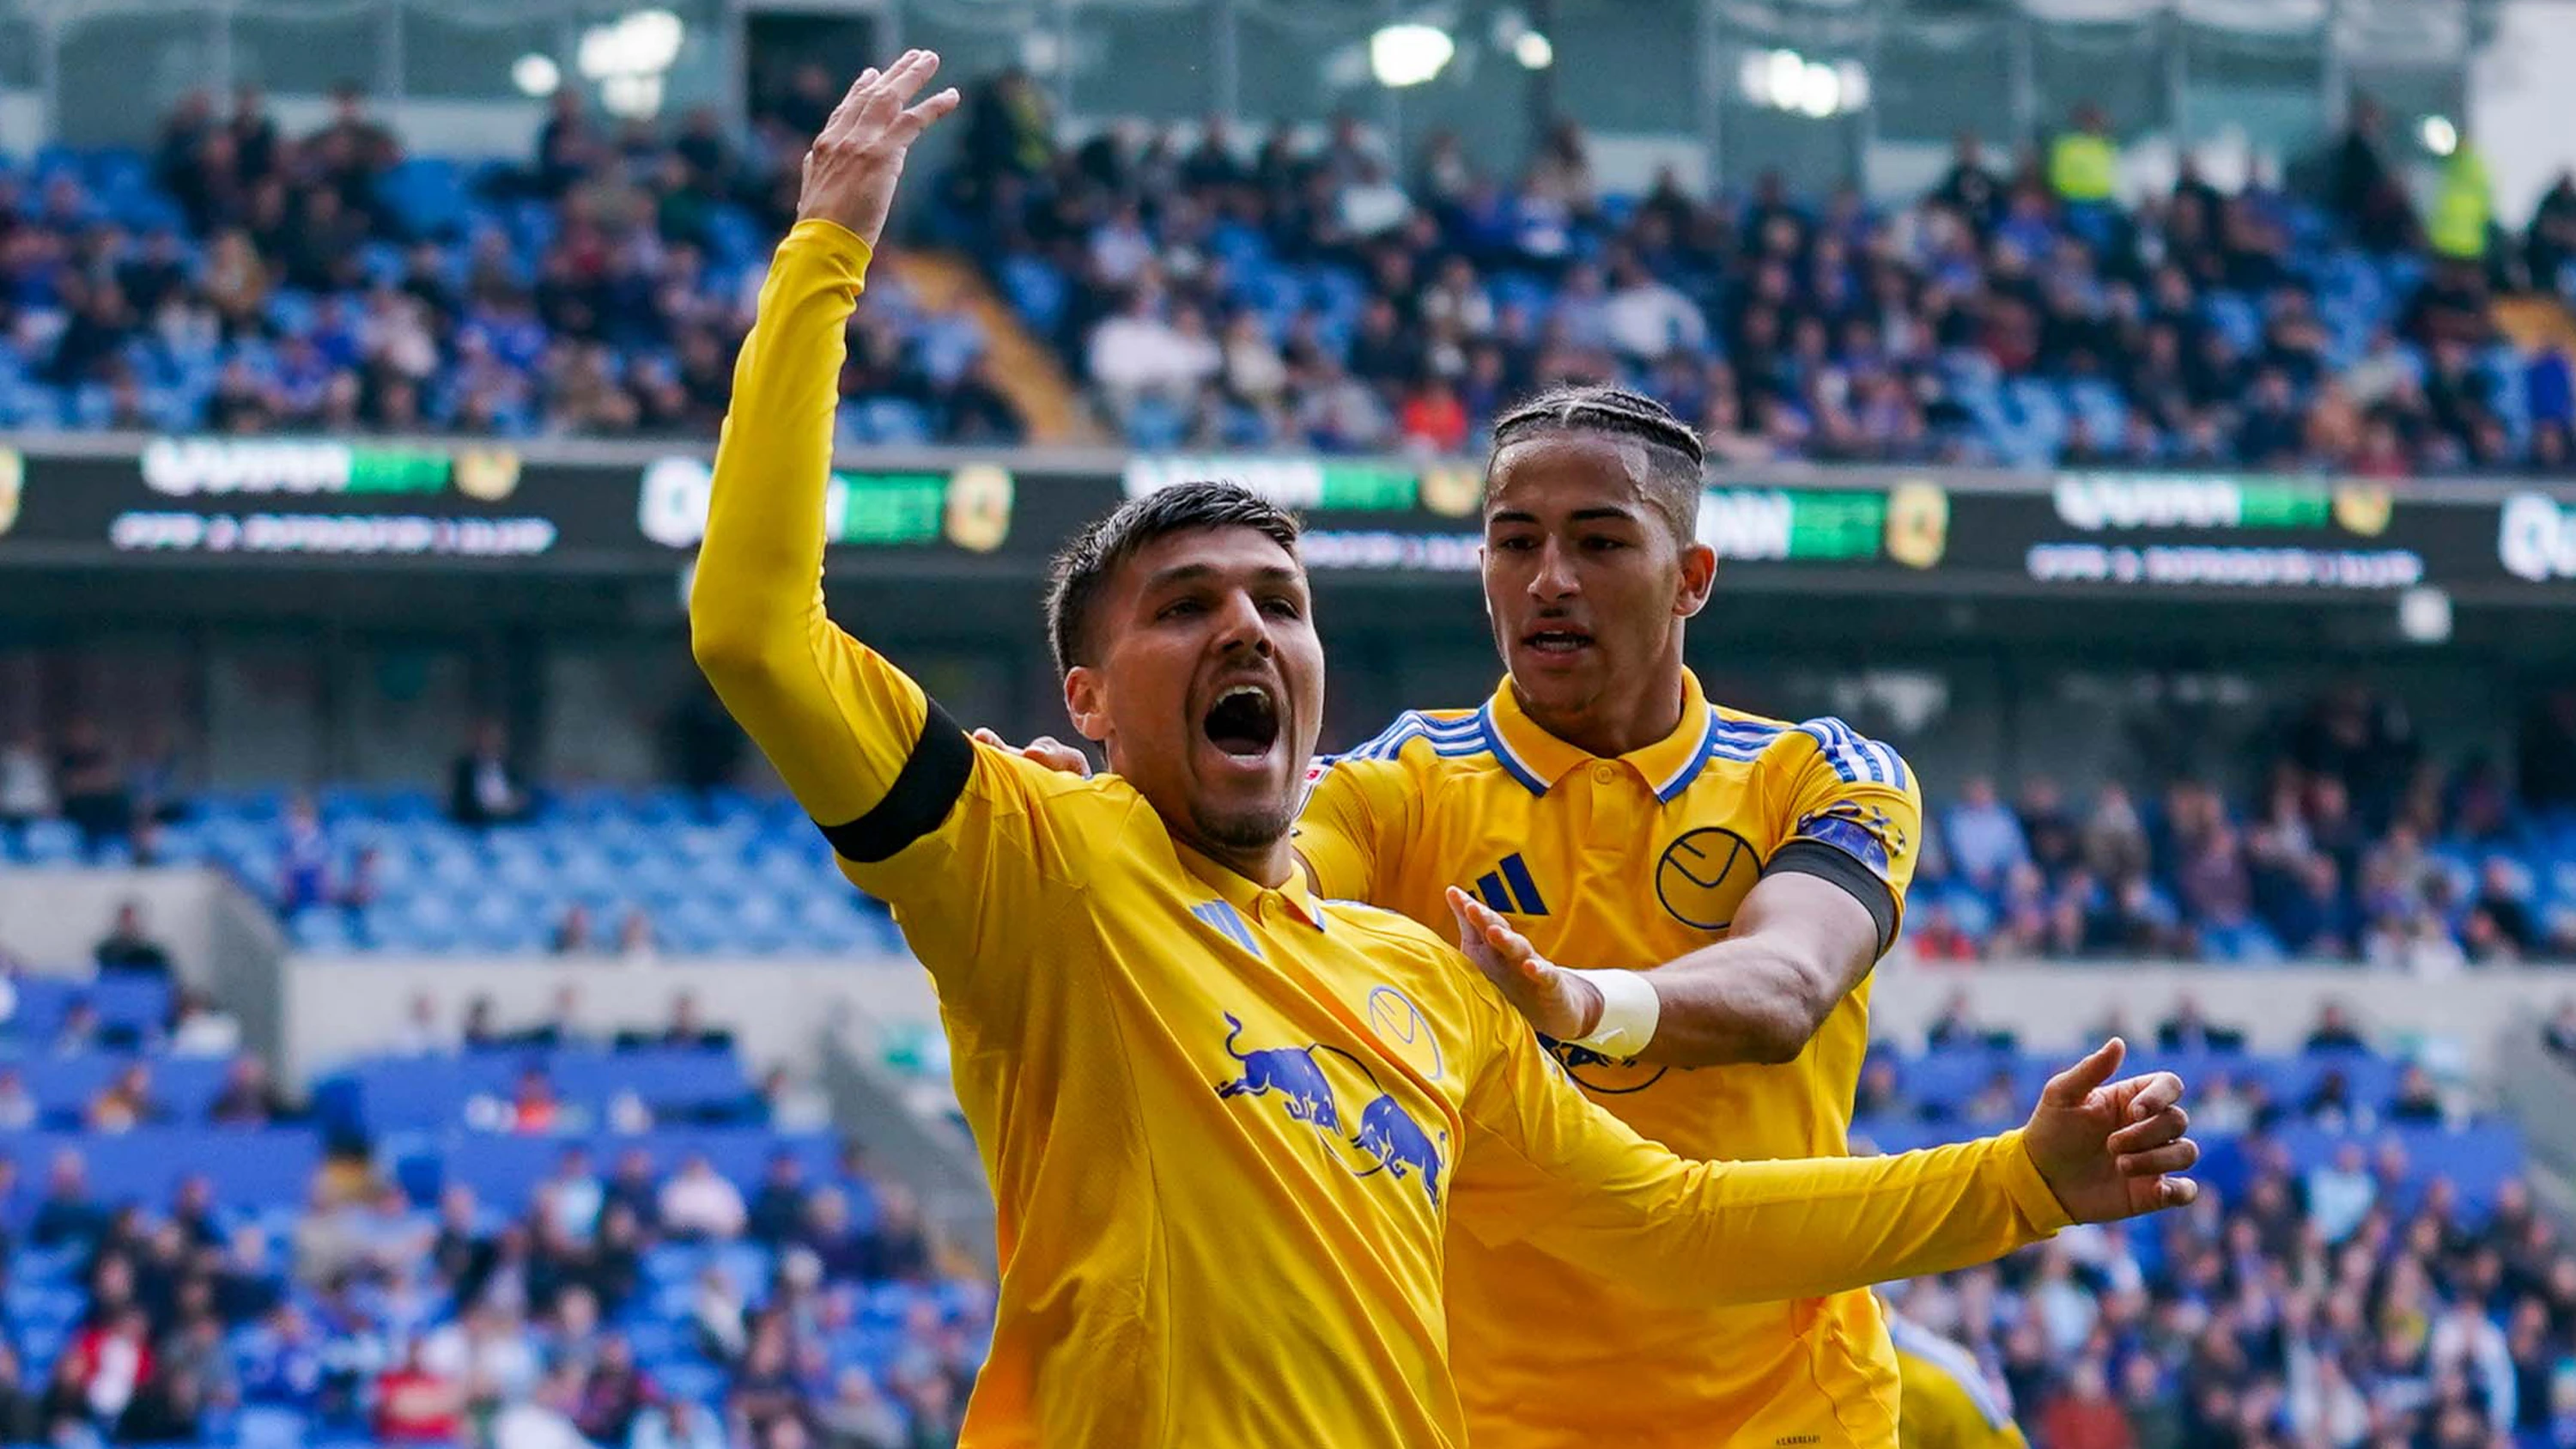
(1559, 1002)
(2109, 1149)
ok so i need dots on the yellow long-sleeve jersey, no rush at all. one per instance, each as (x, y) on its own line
(1950, 1403)
(1632, 862)
(1228, 1126)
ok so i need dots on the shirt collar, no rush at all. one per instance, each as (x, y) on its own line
(1245, 894)
(1539, 760)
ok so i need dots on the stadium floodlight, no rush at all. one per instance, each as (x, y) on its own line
(536, 76)
(2439, 135)
(640, 43)
(1820, 90)
(1784, 79)
(1533, 51)
(631, 97)
(1408, 55)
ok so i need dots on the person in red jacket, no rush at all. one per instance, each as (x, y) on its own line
(415, 1405)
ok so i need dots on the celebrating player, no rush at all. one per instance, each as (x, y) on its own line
(1599, 802)
(1228, 1125)
(1605, 806)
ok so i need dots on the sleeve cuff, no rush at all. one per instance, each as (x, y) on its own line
(2029, 1191)
(827, 246)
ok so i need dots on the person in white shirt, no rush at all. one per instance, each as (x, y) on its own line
(699, 1203)
(420, 1035)
(543, 1421)
(1647, 319)
(26, 783)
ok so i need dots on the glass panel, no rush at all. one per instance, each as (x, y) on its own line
(450, 56)
(263, 712)
(120, 73)
(1935, 79)
(307, 47)
(2120, 68)
(1148, 58)
(409, 707)
(1304, 59)
(2267, 88)
(1621, 65)
(18, 64)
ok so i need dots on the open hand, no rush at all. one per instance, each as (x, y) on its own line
(1047, 750)
(1559, 1002)
(851, 171)
(2108, 1148)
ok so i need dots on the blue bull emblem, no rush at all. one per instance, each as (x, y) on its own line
(1389, 1134)
(1289, 1071)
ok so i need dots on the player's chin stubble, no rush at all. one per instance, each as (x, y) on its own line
(1252, 828)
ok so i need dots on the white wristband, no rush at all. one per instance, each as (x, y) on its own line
(1629, 1010)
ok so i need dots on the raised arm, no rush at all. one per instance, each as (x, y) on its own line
(839, 722)
(1548, 1165)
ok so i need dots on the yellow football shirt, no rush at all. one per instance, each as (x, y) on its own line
(1631, 862)
(1950, 1403)
(1228, 1127)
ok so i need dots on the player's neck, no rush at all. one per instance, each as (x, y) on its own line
(1269, 866)
(1617, 722)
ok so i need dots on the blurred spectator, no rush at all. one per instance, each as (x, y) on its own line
(26, 781)
(2335, 1030)
(778, 1208)
(248, 1098)
(420, 1035)
(415, 1405)
(858, 1417)
(128, 947)
(198, 1029)
(481, 1029)
(2341, 1194)
(614, 1394)
(484, 788)
(18, 1106)
(635, 944)
(572, 933)
(304, 864)
(699, 1203)
(125, 1103)
(544, 1420)
(92, 789)
(1984, 838)
(676, 1424)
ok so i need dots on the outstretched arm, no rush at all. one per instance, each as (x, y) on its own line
(1551, 1166)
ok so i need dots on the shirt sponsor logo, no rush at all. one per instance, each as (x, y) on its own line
(1383, 1138)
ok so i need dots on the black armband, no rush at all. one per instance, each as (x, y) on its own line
(918, 801)
(1833, 863)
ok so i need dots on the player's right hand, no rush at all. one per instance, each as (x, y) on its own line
(1047, 750)
(1558, 1002)
(851, 171)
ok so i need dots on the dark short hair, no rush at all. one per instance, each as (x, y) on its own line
(1675, 456)
(1082, 567)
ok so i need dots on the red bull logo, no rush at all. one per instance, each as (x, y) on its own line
(1384, 1138)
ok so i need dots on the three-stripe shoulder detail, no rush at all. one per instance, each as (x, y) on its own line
(1854, 756)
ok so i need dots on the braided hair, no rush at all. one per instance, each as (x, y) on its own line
(1674, 454)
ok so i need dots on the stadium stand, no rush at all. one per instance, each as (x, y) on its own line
(634, 1251)
(2354, 844)
(239, 281)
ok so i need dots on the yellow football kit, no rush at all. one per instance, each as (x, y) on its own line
(1227, 1127)
(1631, 862)
(1950, 1403)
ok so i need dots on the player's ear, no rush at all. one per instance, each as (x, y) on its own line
(1698, 577)
(1086, 700)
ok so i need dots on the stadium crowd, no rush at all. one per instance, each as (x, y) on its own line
(631, 1301)
(2354, 844)
(240, 280)
(1276, 294)
(1326, 297)
(2348, 1298)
